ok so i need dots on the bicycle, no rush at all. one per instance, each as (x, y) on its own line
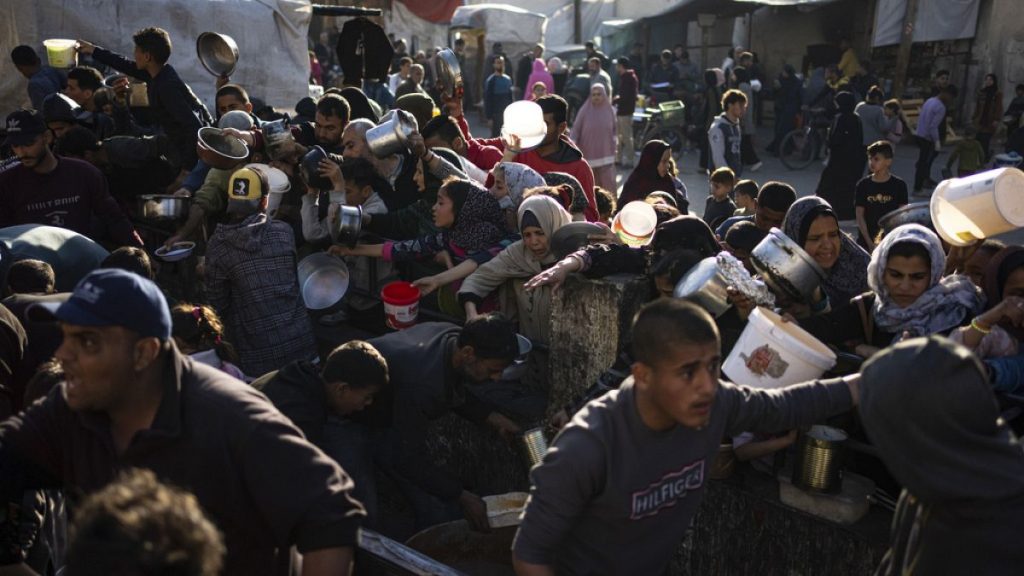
(802, 146)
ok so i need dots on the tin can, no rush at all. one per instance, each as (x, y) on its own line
(536, 446)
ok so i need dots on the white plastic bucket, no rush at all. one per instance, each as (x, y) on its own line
(526, 120)
(771, 353)
(61, 53)
(965, 210)
(635, 223)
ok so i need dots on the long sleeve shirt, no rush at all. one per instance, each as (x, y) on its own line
(69, 196)
(178, 110)
(932, 114)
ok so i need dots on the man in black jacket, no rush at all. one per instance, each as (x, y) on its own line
(178, 110)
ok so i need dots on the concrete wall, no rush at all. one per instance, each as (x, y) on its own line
(998, 48)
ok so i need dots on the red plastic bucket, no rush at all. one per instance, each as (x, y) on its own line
(401, 304)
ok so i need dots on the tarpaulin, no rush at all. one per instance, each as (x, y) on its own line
(503, 23)
(273, 61)
(936, 20)
(433, 10)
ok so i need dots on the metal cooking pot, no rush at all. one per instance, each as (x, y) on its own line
(311, 169)
(323, 280)
(448, 73)
(163, 207)
(347, 225)
(705, 285)
(916, 213)
(391, 135)
(218, 53)
(220, 150)
(786, 267)
(517, 369)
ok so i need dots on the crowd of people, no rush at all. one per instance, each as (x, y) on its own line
(223, 434)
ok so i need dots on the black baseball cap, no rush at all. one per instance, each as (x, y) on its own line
(23, 126)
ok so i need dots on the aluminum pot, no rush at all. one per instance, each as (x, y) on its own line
(785, 267)
(163, 207)
(391, 135)
(345, 228)
(219, 150)
(323, 280)
(218, 53)
(916, 213)
(448, 73)
(705, 285)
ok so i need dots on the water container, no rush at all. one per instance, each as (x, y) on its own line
(966, 210)
(772, 354)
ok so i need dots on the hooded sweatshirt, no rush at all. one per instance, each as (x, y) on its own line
(725, 138)
(961, 467)
(251, 280)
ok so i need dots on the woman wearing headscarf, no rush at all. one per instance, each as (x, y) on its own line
(988, 111)
(594, 131)
(788, 98)
(909, 296)
(472, 231)
(416, 219)
(360, 106)
(539, 218)
(570, 191)
(539, 74)
(711, 109)
(650, 175)
(998, 331)
(558, 73)
(511, 181)
(812, 224)
(927, 408)
(846, 158)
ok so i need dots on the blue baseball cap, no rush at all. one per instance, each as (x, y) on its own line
(112, 297)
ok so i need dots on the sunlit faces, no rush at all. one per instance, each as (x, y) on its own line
(823, 241)
(536, 241)
(444, 210)
(328, 130)
(906, 279)
(98, 365)
(684, 383)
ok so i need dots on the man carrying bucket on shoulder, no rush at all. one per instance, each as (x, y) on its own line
(622, 482)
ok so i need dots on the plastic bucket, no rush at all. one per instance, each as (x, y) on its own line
(401, 304)
(635, 223)
(771, 353)
(966, 210)
(61, 53)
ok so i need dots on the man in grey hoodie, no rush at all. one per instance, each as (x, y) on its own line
(622, 482)
(725, 137)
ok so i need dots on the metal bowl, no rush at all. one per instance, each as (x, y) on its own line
(785, 267)
(704, 285)
(219, 150)
(448, 73)
(517, 369)
(916, 213)
(323, 280)
(163, 206)
(345, 229)
(573, 236)
(218, 53)
(177, 251)
(311, 169)
(391, 135)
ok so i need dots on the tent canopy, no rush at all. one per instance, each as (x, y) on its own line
(502, 22)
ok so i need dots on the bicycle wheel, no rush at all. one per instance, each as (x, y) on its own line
(798, 149)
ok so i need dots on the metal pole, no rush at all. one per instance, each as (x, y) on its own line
(903, 56)
(577, 21)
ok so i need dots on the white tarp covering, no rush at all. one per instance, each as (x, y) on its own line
(936, 20)
(560, 31)
(271, 36)
(503, 23)
(404, 24)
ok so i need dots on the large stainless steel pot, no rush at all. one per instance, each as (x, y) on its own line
(916, 213)
(786, 267)
(391, 135)
(347, 225)
(218, 53)
(220, 150)
(163, 207)
(448, 73)
(323, 280)
(705, 285)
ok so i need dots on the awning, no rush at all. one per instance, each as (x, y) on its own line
(936, 20)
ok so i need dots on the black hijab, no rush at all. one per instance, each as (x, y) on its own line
(359, 105)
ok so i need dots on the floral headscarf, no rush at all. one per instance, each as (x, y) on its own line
(849, 275)
(519, 178)
(944, 305)
(479, 222)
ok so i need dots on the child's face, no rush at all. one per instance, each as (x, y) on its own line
(356, 195)
(744, 201)
(878, 162)
(720, 190)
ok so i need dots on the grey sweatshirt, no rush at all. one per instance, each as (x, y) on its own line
(613, 496)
